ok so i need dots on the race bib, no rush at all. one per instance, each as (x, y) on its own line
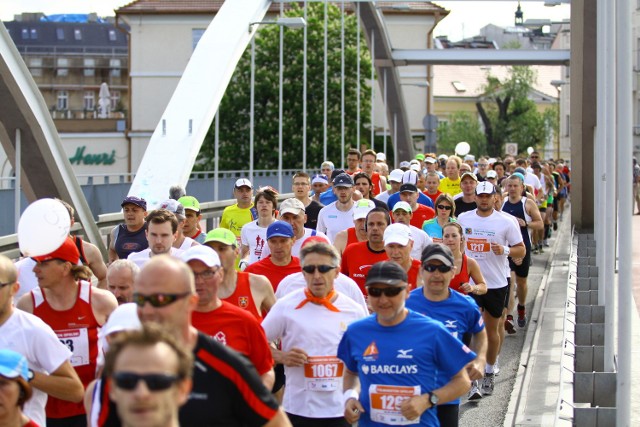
(386, 401)
(76, 340)
(323, 373)
(478, 248)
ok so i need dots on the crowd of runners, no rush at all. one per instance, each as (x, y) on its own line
(372, 296)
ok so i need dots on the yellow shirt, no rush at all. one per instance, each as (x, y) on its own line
(233, 218)
(450, 187)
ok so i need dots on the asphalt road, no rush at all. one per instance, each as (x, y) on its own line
(491, 410)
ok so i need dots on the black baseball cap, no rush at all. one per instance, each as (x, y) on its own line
(437, 252)
(343, 180)
(386, 273)
(408, 187)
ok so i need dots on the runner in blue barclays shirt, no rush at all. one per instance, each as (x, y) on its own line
(391, 377)
(459, 314)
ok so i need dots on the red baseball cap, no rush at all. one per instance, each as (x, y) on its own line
(67, 252)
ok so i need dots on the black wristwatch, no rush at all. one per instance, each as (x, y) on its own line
(433, 399)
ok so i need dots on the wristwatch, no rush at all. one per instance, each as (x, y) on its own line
(30, 374)
(433, 399)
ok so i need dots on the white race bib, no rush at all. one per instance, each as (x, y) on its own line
(323, 373)
(77, 340)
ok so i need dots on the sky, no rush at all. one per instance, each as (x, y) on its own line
(465, 19)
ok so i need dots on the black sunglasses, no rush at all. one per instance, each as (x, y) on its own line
(388, 292)
(155, 382)
(441, 268)
(158, 300)
(310, 269)
(446, 208)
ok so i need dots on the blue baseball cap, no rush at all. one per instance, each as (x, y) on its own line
(13, 365)
(138, 201)
(279, 229)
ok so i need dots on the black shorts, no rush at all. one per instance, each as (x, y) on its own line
(555, 203)
(494, 301)
(448, 415)
(521, 270)
(278, 369)
(542, 209)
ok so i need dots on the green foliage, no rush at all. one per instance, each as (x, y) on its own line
(235, 107)
(509, 115)
(462, 126)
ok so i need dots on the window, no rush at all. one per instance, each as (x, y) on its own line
(196, 35)
(34, 34)
(89, 67)
(112, 35)
(62, 65)
(63, 100)
(35, 66)
(459, 86)
(77, 34)
(89, 100)
(115, 99)
(25, 34)
(115, 65)
(60, 33)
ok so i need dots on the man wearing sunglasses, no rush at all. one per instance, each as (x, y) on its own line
(150, 377)
(227, 390)
(313, 392)
(225, 322)
(389, 373)
(458, 313)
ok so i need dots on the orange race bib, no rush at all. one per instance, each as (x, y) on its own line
(386, 400)
(323, 373)
(478, 247)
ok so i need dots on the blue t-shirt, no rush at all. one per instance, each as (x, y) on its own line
(422, 199)
(433, 229)
(392, 356)
(328, 197)
(459, 314)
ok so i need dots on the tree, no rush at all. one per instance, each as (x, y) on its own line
(509, 115)
(235, 106)
(462, 126)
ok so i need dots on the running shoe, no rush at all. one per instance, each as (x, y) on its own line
(555, 225)
(535, 250)
(522, 318)
(488, 383)
(540, 247)
(496, 367)
(474, 393)
(545, 242)
(509, 325)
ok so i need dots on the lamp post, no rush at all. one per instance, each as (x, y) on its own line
(558, 85)
(289, 22)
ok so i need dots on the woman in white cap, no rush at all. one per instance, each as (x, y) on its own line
(15, 389)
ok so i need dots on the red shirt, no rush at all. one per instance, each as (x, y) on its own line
(275, 273)
(242, 296)
(357, 260)
(238, 329)
(376, 184)
(433, 197)
(77, 328)
(413, 273)
(460, 278)
(421, 214)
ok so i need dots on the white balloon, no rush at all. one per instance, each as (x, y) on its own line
(43, 226)
(462, 148)
(530, 150)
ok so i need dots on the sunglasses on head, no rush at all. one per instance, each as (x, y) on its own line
(155, 382)
(441, 268)
(390, 291)
(158, 300)
(310, 269)
(446, 208)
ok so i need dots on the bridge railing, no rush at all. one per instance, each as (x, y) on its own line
(211, 215)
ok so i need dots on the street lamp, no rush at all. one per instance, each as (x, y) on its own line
(558, 85)
(289, 22)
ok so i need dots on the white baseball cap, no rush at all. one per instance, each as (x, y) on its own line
(396, 175)
(202, 253)
(402, 205)
(243, 182)
(362, 208)
(485, 187)
(397, 233)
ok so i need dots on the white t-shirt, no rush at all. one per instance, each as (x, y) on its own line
(384, 196)
(308, 232)
(26, 277)
(420, 241)
(35, 340)
(343, 284)
(186, 244)
(142, 257)
(255, 237)
(331, 221)
(532, 180)
(479, 233)
(315, 389)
